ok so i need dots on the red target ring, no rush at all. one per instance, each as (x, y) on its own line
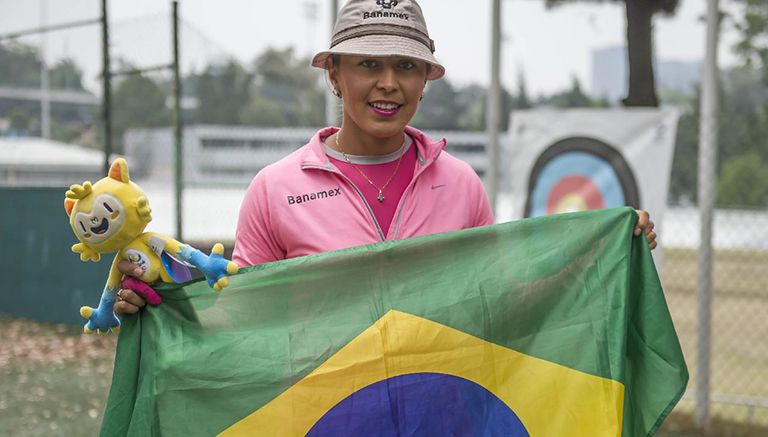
(577, 174)
(574, 193)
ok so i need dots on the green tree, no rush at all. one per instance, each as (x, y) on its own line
(439, 109)
(683, 184)
(753, 29)
(471, 102)
(261, 111)
(743, 182)
(290, 86)
(20, 121)
(522, 101)
(742, 131)
(65, 74)
(572, 98)
(639, 13)
(139, 102)
(222, 92)
(19, 65)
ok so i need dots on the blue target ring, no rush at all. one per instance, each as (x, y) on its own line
(577, 174)
(428, 404)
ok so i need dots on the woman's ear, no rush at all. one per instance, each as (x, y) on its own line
(331, 72)
(329, 65)
(332, 69)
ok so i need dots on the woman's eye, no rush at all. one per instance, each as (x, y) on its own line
(368, 63)
(407, 65)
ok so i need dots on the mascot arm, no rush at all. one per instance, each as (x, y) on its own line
(102, 319)
(86, 253)
(215, 267)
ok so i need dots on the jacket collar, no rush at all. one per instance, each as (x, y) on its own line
(314, 155)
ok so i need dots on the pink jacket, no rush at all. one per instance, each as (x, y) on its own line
(303, 205)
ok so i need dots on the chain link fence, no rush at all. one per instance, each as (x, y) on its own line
(738, 360)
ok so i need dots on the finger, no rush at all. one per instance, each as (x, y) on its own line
(651, 236)
(652, 245)
(644, 229)
(126, 308)
(129, 269)
(649, 229)
(132, 297)
(642, 221)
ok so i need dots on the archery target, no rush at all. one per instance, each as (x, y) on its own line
(578, 174)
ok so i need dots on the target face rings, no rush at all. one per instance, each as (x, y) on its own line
(578, 174)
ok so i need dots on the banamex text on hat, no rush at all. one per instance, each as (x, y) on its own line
(382, 28)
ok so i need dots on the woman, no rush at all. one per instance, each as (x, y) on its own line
(375, 178)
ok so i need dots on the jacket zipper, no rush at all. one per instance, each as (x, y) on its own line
(408, 189)
(359, 193)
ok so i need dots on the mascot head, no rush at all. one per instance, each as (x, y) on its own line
(107, 215)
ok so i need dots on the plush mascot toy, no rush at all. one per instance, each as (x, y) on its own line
(110, 216)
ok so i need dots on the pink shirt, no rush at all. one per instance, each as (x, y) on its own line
(303, 204)
(399, 165)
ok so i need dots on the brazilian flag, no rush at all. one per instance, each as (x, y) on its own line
(553, 326)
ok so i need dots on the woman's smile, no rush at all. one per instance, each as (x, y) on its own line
(385, 108)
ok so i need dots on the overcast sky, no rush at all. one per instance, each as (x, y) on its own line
(547, 46)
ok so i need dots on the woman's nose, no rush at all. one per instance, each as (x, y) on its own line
(387, 80)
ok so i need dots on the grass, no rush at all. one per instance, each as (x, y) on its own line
(739, 357)
(54, 381)
(683, 425)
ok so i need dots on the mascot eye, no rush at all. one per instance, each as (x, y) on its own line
(108, 208)
(83, 226)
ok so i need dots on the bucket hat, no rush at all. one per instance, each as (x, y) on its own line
(381, 28)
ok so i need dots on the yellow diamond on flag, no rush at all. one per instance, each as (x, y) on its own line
(399, 344)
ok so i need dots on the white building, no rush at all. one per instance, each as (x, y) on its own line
(232, 155)
(42, 162)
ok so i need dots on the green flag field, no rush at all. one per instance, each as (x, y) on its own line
(550, 326)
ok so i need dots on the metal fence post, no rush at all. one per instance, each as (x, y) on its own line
(707, 184)
(177, 125)
(493, 113)
(45, 78)
(106, 109)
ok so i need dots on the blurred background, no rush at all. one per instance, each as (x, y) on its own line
(242, 95)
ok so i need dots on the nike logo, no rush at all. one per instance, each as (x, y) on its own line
(434, 187)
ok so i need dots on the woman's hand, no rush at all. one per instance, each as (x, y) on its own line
(128, 301)
(645, 226)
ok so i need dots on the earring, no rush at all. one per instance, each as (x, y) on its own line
(421, 98)
(336, 93)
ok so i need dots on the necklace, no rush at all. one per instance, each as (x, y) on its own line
(380, 197)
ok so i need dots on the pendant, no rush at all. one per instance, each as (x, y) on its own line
(381, 196)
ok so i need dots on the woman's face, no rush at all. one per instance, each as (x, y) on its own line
(380, 95)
